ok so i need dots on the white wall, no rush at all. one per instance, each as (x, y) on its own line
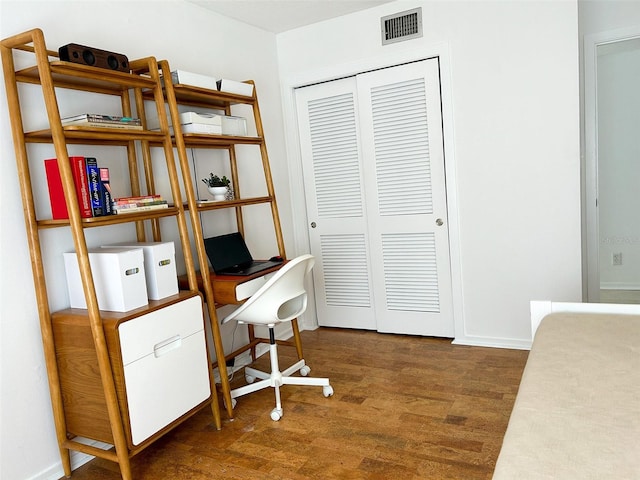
(512, 74)
(190, 38)
(597, 16)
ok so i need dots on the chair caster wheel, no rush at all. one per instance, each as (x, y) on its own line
(276, 414)
(249, 378)
(233, 403)
(327, 391)
(304, 371)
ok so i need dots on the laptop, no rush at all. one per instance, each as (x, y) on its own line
(229, 255)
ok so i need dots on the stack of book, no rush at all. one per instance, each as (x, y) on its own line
(138, 204)
(91, 183)
(102, 121)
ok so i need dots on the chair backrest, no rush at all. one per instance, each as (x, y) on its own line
(281, 299)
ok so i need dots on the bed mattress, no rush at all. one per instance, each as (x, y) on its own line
(577, 412)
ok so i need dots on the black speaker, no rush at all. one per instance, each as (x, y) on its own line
(93, 57)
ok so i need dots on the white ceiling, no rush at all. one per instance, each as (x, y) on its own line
(281, 15)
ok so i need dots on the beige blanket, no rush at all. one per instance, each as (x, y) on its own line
(577, 413)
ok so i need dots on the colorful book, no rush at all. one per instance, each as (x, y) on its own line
(139, 204)
(136, 209)
(99, 118)
(137, 200)
(103, 125)
(105, 190)
(102, 121)
(95, 186)
(59, 209)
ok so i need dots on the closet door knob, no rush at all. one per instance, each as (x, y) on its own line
(313, 224)
(439, 222)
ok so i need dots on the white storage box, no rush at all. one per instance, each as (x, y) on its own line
(193, 79)
(236, 126)
(192, 122)
(118, 276)
(231, 86)
(159, 267)
(201, 128)
(204, 118)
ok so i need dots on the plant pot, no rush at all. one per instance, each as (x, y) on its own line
(219, 193)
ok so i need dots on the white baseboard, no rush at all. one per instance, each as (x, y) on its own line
(54, 472)
(77, 460)
(619, 286)
(510, 343)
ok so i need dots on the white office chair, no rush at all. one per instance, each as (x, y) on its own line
(281, 299)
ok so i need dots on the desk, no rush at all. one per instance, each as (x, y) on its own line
(233, 289)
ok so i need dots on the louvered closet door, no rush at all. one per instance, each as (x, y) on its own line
(328, 123)
(402, 148)
(374, 178)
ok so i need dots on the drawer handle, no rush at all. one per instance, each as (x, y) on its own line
(164, 263)
(167, 345)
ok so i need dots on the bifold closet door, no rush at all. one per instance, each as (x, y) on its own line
(376, 202)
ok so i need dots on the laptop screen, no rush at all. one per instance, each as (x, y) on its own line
(226, 251)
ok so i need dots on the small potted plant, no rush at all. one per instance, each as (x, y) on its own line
(218, 187)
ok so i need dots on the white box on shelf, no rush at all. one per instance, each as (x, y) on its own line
(203, 118)
(236, 126)
(232, 86)
(194, 79)
(192, 122)
(201, 128)
(159, 267)
(118, 277)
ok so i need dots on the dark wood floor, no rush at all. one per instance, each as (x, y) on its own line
(404, 408)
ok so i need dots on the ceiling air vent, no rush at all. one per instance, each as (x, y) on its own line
(401, 26)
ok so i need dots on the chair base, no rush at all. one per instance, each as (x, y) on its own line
(275, 379)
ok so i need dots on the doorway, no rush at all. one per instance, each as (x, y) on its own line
(373, 164)
(612, 133)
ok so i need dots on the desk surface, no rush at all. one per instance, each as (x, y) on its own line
(225, 286)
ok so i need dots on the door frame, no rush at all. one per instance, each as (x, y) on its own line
(591, 243)
(292, 140)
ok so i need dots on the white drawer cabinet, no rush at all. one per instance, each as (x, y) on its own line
(165, 366)
(159, 361)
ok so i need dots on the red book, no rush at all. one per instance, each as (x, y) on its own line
(56, 193)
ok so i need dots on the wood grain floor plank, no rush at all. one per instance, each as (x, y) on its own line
(404, 407)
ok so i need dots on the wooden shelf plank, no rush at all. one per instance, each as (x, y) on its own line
(83, 77)
(98, 135)
(112, 219)
(211, 205)
(199, 140)
(207, 140)
(207, 98)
